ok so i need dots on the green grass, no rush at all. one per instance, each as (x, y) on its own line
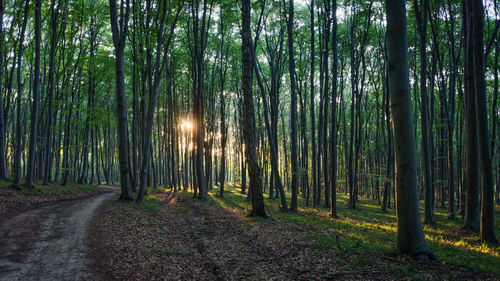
(149, 203)
(53, 189)
(367, 229)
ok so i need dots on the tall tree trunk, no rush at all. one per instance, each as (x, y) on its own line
(313, 117)
(30, 173)
(154, 78)
(487, 227)
(411, 238)
(50, 94)
(293, 109)
(471, 146)
(333, 119)
(248, 128)
(3, 124)
(421, 18)
(272, 136)
(119, 31)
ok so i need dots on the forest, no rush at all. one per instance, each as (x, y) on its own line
(365, 133)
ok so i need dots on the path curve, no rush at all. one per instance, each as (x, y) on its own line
(51, 242)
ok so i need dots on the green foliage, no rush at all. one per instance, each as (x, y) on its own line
(53, 190)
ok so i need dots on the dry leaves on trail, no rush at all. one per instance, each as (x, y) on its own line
(193, 240)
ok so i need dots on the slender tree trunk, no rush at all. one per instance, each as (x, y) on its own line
(3, 124)
(333, 119)
(30, 173)
(270, 135)
(421, 18)
(293, 109)
(313, 117)
(51, 86)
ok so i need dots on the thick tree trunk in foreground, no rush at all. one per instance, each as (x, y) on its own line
(487, 227)
(471, 150)
(248, 124)
(119, 37)
(411, 238)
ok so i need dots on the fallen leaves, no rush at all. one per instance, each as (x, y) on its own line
(193, 240)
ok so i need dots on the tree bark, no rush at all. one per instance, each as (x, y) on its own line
(421, 18)
(472, 208)
(50, 94)
(248, 128)
(119, 31)
(313, 116)
(30, 173)
(411, 238)
(333, 119)
(3, 127)
(487, 227)
(293, 110)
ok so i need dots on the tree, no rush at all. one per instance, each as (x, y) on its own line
(487, 227)
(333, 119)
(271, 130)
(18, 146)
(410, 234)
(421, 18)
(51, 87)
(119, 29)
(3, 164)
(471, 141)
(313, 117)
(200, 24)
(154, 74)
(293, 110)
(248, 124)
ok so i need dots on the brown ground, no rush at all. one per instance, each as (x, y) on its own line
(50, 242)
(192, 240)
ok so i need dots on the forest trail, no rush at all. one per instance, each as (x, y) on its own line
(51, 242)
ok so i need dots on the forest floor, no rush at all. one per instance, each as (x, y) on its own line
(50, 242)
(174, 237)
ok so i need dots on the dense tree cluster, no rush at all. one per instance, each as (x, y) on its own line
(396, 101)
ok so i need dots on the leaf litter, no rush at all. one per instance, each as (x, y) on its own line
(192, 240)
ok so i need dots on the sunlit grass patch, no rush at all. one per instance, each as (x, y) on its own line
(150, 203)
(53, 189)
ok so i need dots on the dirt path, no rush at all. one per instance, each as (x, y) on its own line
(49, 243)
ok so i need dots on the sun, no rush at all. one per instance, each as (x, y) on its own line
(186, 125)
